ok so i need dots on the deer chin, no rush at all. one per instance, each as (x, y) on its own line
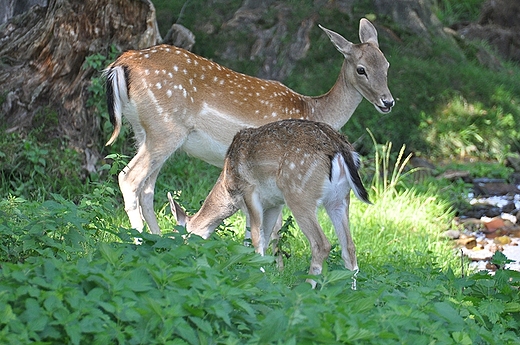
(383, 110)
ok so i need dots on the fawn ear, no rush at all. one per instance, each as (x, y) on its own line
(177, 211)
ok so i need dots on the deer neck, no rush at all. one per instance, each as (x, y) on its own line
(219, 205)
(336, 106)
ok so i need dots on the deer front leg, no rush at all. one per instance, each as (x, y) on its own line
(275, 242)
(271, 223)
(275, 238)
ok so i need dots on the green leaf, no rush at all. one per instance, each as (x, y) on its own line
(273, 327)
(500, 259)
(512, 307)
(6, 314)
(447, 312)
(492, 308)
(74, 332)
(202, 325)
(462, 338)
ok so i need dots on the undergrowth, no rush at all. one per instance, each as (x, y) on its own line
(70, 273)
(172, 291)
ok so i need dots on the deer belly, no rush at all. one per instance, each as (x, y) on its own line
(269, 193)
(203, 146)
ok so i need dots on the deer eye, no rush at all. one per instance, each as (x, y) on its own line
(361, 71)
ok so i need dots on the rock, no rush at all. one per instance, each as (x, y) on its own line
(453, 175)
(493, 224)
(477, 255)
(482, 210)
(414, 15)
(452, 234)
(499, 25)
(467, 242)
(513, 160)
(495, 187)
(180, 36)
(470, 224)
(271, 40)
(502, 240)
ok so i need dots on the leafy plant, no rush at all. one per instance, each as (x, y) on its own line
(32, 168)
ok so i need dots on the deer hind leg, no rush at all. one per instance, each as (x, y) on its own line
(130, 184)
(137, 182)
(146, 201)
(306, 218)
(338, 212)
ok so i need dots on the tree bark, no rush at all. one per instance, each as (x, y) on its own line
(43, 70)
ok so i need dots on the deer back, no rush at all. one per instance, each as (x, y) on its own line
(289, 156)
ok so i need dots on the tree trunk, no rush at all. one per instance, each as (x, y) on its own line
(43, 68)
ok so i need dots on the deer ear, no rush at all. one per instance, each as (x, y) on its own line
(341, 43)
(177, 211)
(367, 32)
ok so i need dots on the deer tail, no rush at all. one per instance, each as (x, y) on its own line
(117, 94)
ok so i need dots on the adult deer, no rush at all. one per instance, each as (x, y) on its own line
(301, 163)
(174, 100)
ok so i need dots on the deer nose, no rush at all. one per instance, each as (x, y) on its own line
(388, 104)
